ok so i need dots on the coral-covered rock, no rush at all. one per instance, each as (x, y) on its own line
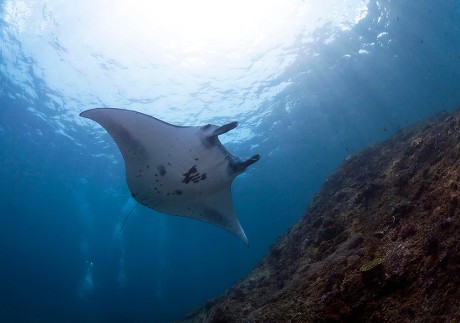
(380, 242)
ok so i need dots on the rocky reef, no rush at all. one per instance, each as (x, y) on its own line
(379, 243)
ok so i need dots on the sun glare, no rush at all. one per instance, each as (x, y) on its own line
(202, 28)
(183, 55)
(180, 33)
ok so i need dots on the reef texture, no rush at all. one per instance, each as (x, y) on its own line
(379, 243)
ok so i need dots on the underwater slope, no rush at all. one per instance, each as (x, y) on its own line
(380, 242)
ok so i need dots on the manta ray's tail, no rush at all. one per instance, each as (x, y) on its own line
(132, 209)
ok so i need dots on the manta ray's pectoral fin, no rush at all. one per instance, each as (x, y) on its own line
(225, 128)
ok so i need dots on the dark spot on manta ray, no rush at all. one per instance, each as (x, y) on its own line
(192, 175)
(189, 175)
(196, 159)
(178, 192)
(192, 170)
(214, 214)
(169, 163)
(161, 170)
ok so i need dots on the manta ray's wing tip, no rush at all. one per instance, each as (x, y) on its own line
(85, 114)
(239, 232)
(89, 112)
(243, 237)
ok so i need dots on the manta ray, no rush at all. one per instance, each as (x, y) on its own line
(177, 170)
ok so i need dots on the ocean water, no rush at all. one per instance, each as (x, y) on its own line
(310, 83)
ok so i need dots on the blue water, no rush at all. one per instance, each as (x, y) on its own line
(327, 87)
